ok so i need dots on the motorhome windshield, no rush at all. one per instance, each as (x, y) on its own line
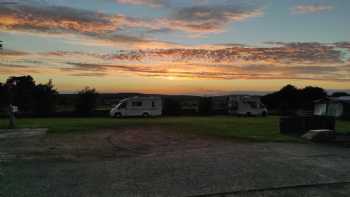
(121, 105)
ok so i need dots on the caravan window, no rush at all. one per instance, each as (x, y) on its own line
(335, 109)
(234, 105)
(136, 104)
(252, 104)
(153, 104)
(262, 105)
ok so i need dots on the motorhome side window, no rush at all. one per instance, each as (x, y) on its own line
(252, 104)
(136, 104)
(234, 105)
(153, 104)
(262, 105)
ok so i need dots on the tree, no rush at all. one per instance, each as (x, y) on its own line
(290, 98)
(204, 106)
(339, 94)
(86, 101)
(45, 98)
(4, 99)
(171, 106)
(309, 94)
(284, 99)
(21, 92)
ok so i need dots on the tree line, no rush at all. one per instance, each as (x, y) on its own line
(291, 98)
(41, 99)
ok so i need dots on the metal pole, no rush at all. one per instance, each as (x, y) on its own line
(12, 118)
(11, 108)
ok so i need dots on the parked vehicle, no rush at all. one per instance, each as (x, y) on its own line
(190, 106)
(246, 106)
(138, 106)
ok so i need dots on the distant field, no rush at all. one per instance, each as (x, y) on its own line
(253, 128)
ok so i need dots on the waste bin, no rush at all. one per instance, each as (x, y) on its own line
(302, 124)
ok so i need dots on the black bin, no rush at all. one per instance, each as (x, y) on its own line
(302, 124)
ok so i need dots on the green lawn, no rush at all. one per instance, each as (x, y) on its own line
(254, 128)
(343, 126)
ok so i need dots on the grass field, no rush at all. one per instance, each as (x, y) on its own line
(253, 128)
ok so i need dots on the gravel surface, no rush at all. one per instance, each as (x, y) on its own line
(153, 162)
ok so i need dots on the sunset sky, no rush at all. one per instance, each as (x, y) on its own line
(177, 46)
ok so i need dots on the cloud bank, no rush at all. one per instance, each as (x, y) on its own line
(59, 20)
(283, 61)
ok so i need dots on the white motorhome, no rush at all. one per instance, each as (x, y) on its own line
(138, 106)
(246, 106)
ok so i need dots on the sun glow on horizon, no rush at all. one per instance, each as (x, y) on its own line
(219, 46)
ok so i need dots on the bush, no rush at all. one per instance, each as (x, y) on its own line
(45, 99)
(86, 101)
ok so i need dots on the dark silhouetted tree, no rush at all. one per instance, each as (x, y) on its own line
(339, 94)
(45, 98)
(204, 106)
(309, 94)
(86, 101)
(21, 92)
(284, 99)
(4, 97)
(290, 98)
(171, 106)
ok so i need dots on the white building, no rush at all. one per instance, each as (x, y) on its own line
(338, 107)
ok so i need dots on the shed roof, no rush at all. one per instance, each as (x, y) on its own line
(342, 99)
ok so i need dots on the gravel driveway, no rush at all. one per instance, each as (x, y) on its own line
(154, 162)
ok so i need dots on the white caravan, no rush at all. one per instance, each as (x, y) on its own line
(138, 106)
(246, 106)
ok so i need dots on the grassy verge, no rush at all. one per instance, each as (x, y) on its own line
(254, 128)
(343, 126)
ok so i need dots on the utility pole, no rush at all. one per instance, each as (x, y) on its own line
(11, 109)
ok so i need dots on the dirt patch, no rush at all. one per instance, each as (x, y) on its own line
(21, 133)
(102, 144)
(156, 140)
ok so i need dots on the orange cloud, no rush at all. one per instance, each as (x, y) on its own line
(195, 19)
(60, 20)
(287, 61)
(53, 18)
(289, 53)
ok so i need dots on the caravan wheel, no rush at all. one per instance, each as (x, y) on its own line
(145, 115)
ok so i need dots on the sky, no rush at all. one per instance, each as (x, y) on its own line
(201, 47)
